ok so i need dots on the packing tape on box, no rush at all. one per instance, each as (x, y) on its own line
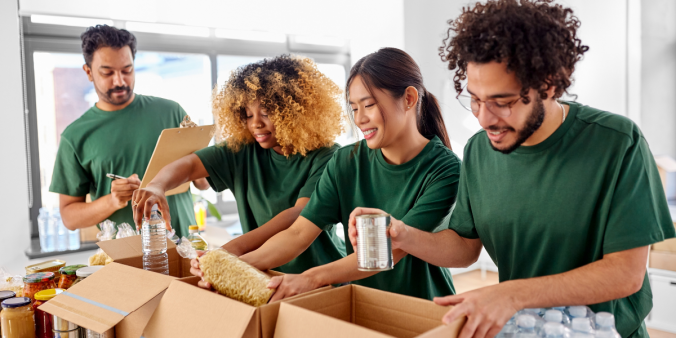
(89, 301)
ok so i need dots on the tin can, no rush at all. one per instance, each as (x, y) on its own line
(64, 329)
(374, 247)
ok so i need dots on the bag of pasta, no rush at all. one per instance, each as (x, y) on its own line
(234, 278)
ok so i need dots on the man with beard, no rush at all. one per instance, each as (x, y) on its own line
(117, 135)
(565, 198)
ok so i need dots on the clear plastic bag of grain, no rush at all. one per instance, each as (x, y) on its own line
(234, 278)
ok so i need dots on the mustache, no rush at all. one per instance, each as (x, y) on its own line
(497, 128)
(125, 88)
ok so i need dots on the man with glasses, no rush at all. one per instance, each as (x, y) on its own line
(565, 198)
(117, 135)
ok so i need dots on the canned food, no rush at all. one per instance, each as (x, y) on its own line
(374, 247)
(64, 329)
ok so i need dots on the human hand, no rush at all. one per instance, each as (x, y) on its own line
(290, 285)
(197, 271)
(143, 201)
(397, 230)
(487, 310)
(121, 190)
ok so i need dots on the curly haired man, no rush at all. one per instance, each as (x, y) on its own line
(565, 198)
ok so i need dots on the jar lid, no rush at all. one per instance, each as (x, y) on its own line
(39, 277)
(6, 294)
(87, 271)
(193, 227)
(48, 294)
(70, 270)
(15, 302)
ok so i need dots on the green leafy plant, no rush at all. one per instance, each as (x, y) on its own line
(210, 206)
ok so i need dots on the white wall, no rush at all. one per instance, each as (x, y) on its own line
(600, 78)
(14, 224)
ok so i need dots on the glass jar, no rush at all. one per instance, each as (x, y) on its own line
(43, 320)
(5, 295)
(85, 272)
(17, 318)
(68, 275)
(37, 282)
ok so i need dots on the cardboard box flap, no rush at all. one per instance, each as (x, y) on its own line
(182, 303)
(294, 322)
(394, 314)
(666, 163)
(123, 248)
(105, 298)
(445, 331)
(336, 303)
(269, 312)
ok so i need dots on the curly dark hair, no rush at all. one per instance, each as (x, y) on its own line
(537, 40)
(303, 104)
(100, 36)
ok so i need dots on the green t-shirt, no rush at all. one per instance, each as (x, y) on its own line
(118, 142)
(266, 183)
(419, 192)
(590, 189)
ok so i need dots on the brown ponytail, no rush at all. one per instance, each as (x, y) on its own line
(393, 70)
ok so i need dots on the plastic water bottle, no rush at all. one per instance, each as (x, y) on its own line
(154, 235)
(582, 325)
(60, 230)
(45, 231)
(578, 312)
(534, 311)
(525, 326)
(605, 325)
(509, 329)
(553, 330)
(73, 239)
(555, 315)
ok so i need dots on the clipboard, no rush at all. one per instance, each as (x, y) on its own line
(173, 144)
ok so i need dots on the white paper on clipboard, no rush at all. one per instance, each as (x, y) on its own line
(173, 144)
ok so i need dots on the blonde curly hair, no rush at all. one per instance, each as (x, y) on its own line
(302, 103)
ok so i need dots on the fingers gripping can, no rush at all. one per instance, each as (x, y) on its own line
(374, 247)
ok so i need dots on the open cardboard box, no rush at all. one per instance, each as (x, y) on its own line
(664, 260)
(189, 311)
(129, 251)
(361, 312)
(117, 296)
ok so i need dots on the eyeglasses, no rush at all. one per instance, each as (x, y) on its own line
(497, 109)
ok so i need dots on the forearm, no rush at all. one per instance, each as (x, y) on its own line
(253, 240)
(284, 246)
(601, 281)
(79, 215)
(445, 248)
(178, 172)
(344, 270)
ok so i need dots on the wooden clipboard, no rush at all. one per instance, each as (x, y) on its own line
(173, 144)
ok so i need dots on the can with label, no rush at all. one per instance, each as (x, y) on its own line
(374, 247)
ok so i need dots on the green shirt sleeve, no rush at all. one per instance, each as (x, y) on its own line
(431, 209)
(462, 220)
(323, 210)
(219, 161)
(639, 214)
(316, 171)
(69, 177)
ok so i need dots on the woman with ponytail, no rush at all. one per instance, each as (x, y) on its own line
(404, 166)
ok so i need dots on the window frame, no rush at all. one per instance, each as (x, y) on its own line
(65, 39)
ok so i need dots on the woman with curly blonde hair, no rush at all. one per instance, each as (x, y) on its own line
(278, 119)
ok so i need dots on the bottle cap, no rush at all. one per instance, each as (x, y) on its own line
(15, 302)
(578, 311)
(39, 277)
(555, 316)
(71, 269)
(605, 319)
(581, 324)
(155, 208)
(526, 321)
(193, 227)
(6, 295)
(553, 329)
(87, 271)
(535, 311)
(48, 294)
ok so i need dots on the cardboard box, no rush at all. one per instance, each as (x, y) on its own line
(667, 245)
(666, 166)
(116, 296)
(357, 311)
(189, 311)
(129, 251)
(664, 260)
(89, 234)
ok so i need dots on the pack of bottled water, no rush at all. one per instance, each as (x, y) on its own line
(560, 322)
(54, 236)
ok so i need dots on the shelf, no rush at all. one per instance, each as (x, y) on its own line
(34, 251)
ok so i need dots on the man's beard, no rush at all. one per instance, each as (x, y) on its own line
(108, 96)
(533, 123)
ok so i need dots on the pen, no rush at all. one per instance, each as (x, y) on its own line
(115, 177)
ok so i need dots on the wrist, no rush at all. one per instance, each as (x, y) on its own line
(156, 186)
(514, 290)
(314, 275)
(114, 204)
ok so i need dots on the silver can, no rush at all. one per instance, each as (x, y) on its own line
(374, 247)
(64, 329)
